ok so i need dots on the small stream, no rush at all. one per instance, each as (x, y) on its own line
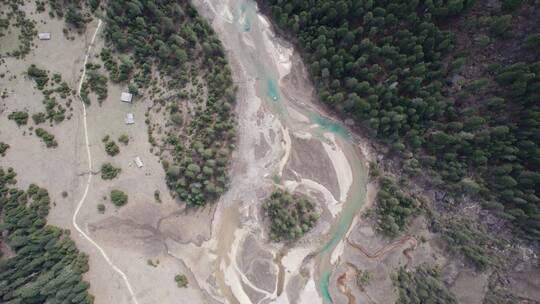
(248, 43)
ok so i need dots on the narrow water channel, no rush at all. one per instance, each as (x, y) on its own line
(265, 61)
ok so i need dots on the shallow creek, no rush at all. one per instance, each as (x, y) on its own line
(260, 63)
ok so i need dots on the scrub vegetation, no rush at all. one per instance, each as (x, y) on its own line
(12, 16)
(53, 89)
(291, 216)
(95, 82)
(396, 70)
(46, 266)
(474, 244)
(422, 286)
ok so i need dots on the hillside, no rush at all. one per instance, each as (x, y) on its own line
(450, 86)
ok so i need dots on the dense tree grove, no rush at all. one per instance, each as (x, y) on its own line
(388, 65)
(422, 286)
(171, 37)
(393, 207)
(46, 266)
(291, 216)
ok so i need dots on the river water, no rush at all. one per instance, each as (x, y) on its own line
(262, 62)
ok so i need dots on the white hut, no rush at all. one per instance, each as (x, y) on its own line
(130, 119)
(126, 97)
(44, 36)
(138, 162)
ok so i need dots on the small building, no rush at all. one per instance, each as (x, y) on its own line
(126, 97)
(44, 36)
(130, 119)
(138, 162)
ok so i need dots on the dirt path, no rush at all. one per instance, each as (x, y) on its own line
(90, 174)
(388, 248)
(344, 288)
(352, 272)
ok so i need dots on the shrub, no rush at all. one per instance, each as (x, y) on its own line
(101, 208)
(123, 139)
(20, 118)
(112, 148)
(108, 171)
(3, 148)
(177, 118)
(363, 278)
(39, 118)
(181, 280)
(118, 198)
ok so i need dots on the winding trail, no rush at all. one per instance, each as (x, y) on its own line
(388, 248)
(89, 180)
(344, 288)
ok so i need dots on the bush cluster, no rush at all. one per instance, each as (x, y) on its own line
(181, 280)
(47, 138)
(21, 118)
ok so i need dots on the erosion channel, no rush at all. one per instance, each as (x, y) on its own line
(284, 140)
